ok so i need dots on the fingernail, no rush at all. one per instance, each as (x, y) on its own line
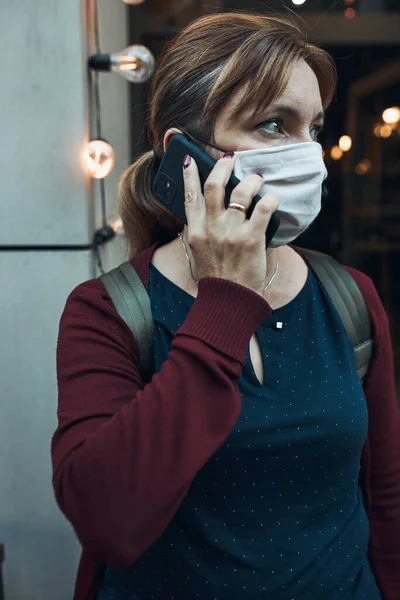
(259, 174)
(229, 155)
(186, 161)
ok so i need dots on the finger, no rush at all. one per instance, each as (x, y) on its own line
(214, 187)
(262, 214)
(243, 194)
(194, 201)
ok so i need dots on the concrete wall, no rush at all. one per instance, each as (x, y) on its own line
(47, 201)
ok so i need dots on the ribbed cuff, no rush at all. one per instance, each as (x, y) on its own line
(225, 315)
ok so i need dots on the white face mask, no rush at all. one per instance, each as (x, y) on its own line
(295, 174)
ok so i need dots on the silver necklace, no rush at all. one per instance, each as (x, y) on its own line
(180, 235)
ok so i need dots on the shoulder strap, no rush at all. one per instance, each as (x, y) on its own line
(132, 302)
(349, 302)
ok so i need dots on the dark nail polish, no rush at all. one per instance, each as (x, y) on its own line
(186, 161)
(229, 154)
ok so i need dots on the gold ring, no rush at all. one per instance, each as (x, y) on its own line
(237, 206)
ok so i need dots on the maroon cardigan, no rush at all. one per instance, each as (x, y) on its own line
(124, 454)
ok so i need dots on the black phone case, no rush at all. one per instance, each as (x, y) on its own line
(168, 186)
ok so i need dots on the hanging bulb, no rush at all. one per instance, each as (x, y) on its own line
(99, 158)
(350, 13)
(298, 2)
(117, 225)
(363, 167)
(385, 131)
(345, 143)
(391, 115)
(135, 63)
(336, 153)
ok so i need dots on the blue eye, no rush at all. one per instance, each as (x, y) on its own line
(273, 127)
(315, 132)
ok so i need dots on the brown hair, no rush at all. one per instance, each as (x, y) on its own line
(201, 69)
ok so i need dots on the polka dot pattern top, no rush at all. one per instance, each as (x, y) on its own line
(277, 512)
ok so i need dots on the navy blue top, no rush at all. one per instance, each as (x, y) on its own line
(277, 512)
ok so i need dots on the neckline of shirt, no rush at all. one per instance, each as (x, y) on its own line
(279, 314)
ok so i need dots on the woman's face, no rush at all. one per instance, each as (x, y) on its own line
(296, 116)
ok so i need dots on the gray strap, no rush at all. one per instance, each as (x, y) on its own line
(132, 303)
(349, 302)
(131, 300)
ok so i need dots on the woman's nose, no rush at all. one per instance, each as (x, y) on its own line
(305, 135)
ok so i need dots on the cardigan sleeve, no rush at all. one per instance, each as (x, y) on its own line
(384, 449)
(124, 454)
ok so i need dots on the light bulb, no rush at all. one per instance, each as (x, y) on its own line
(298, 2)
(350, 13)
(385, 131)
(377, 130)
(345, 143)
(117, 225)
(135, 63)
(363, 167)
(391, 115)
(336, 153)
(99, 158)
(133, 1)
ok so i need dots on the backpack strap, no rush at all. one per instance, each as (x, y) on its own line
(131, 300)
(348, 301)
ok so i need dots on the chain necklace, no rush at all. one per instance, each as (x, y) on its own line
(180, 235)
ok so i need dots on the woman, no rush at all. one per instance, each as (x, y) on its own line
(233, 474)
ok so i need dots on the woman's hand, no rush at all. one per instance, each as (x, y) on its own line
(223, 242)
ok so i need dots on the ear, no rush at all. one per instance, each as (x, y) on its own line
(168, 136)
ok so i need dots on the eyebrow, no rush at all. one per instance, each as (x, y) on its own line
(293, 112)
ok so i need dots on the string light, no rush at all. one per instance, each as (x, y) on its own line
(385, 131)
(298, 2)
(135, 63)
(336, 153)
(345, 143)
(350, 13)
(391, 115)
(363, 167)
(117, 226)
(99, 158)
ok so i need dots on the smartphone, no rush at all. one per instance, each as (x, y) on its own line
(168, 186)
